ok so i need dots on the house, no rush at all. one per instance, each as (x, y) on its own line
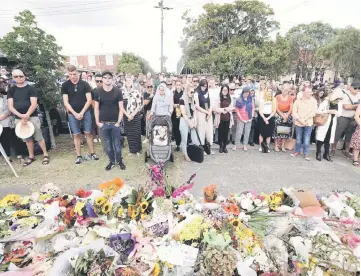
(94, 63)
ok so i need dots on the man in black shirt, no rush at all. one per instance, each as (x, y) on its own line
(77, 99)
(23, 101)
(108, 111)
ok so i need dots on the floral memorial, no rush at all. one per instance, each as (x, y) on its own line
(160, 229)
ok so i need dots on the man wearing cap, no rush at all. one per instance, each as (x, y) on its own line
(77, 99)
(23, 101)
(108, 116)
(346, 123)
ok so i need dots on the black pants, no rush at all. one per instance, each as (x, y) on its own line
(253, 131)
(319, 147)
(223, 130)
(8, 140)
(176, 132)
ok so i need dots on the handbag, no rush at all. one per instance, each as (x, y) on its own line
(195, 152)
(320, 119)
(283, 130)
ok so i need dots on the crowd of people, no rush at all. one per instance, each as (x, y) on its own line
(203, 111)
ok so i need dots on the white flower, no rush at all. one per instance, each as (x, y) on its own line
(73, 259)
(82, 231)
(243, 217)
(247, 204)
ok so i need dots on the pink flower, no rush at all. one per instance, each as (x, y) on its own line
(349, 222)
(182, 189)
(352, 240)
(82, 220)
(159, 192)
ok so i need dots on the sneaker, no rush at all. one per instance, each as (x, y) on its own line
(138, 154)
(79, 159)
(212, 152)
(122, 166)
(109, 166)
(260, 149)
(94, 157)
(234, 148)
(95, 140)
(295, 154)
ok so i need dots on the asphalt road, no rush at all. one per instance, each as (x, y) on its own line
(239, 171)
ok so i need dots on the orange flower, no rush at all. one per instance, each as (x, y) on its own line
(210, 193)
(112, 187)
(232, 208)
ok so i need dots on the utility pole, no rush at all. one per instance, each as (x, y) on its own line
(162, 8)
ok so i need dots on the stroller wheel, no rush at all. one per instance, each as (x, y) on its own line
(171, 158)
(145, 157)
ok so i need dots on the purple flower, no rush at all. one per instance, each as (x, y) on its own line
(14, 227)
(122, 243)
(90, 210)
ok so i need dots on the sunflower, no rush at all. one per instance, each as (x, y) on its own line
(120, 212)
(144, 206)
(135, 213)
(236, 222)
(21, 213)
(156, 270)
(100, 201)
(107, 207)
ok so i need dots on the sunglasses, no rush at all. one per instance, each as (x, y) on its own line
(232, 89)
(292, 95)
(76, 88)
(169, 84)
(99, 81)
(356, 88)
(15, 77)
(150, 86)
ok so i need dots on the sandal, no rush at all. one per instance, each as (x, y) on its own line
(46, 160)
(28, 162)
(356, 163)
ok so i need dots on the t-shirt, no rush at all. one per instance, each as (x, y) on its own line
(284, 106)
(108, 104)
(181, 102)
(176, 96)
(77, 93)
(346, 100)
(21, 97)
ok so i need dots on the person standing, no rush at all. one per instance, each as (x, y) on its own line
(77, 99)
(325, 135)
(223, 120)
(204, 114)
(283, 118)
(95, 130)
(177, 95)
(245, 114)
(355, 140)
(346, 123)
(304, 110)
(23, 101)
(108, 115)
(234, 96)
(133, 104)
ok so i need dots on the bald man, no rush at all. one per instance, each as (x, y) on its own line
(23, 101)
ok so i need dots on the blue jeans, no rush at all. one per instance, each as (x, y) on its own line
(111, 137)
(303, 136)
(74, 123)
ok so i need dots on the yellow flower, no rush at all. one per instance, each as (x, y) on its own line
(21, 213)
(168, 265)
(181, 201)
(144, 206)
(25, 200)
(107, 207)
(100, 201)
(236, 222)
(135, 213)
(78, 208)
(156, 270)
(120, 212)
(142, 216)
(9, 200)
(44, 196)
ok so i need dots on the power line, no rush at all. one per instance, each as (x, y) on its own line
(76, 11)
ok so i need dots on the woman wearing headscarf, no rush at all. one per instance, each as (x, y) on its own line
(223, 119)
(245, 114)
(325, 135)
(133, 104)
(266, 121)
(177, 95)
(162, 104)
(204, 114)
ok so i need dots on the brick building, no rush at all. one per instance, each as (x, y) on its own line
(95, 63)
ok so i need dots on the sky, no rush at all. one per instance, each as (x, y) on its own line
(113, 26)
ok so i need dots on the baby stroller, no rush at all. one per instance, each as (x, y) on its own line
(160, 136)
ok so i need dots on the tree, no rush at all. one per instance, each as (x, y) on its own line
(226, 38)
(343, 52)
(37, 54)
(305, 41)
(133, 64)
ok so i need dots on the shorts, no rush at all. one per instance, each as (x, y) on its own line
(74, 123)
(345, 127)
(38, 135)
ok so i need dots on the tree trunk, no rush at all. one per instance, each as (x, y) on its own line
(51, 132)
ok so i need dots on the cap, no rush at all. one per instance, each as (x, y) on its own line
(356, 84)
(107, 73)
(246, 89)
